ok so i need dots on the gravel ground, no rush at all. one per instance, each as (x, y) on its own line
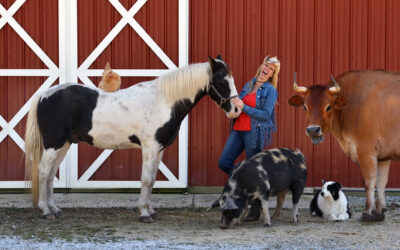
(192, 227)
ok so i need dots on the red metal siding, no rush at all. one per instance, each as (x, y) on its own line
(15, 91)
(127, 50)
(314, 38)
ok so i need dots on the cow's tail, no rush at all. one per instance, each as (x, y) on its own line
(33, 150)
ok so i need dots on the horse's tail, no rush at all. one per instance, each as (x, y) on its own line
(33, 150)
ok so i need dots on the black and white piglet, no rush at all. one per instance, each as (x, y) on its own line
(330, 202)
(268, 173)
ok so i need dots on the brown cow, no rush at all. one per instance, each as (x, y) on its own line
(362, 111)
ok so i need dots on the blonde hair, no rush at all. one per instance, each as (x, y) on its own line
(273, 61)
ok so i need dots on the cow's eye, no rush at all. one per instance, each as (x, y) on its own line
(328, 108)
(305, 108)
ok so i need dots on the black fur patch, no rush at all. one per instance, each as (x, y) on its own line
(134, 139)
(167, 134)
(314, 205)
(66, 115)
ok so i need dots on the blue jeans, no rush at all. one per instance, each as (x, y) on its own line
(237, 141)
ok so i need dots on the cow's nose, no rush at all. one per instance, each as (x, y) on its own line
(313, 129)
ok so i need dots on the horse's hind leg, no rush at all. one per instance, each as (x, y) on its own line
(149, 156)
(50, 197)
(45, 167)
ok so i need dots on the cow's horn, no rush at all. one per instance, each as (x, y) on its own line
(336, 88)
(297, 88)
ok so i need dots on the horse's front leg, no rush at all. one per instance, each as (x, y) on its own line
(157, 161)
(149, 155)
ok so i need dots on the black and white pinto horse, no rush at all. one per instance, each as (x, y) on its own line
(147, 116)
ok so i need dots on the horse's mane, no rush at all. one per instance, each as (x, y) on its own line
(184, 82)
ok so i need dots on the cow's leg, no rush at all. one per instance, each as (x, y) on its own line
(280, 198)
(149, 155)
(46, 164)
(50, 195)
(383, 173)
(368, 166)
(157, 161)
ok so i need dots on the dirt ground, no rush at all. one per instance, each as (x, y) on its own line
(198, 228)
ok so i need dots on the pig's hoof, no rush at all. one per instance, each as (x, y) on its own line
(154, 216)
(372, 218)
(58, 214)
(48, 217)
(146, 219)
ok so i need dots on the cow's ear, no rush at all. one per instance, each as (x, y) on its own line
(340, 102)
(229, 205)
(296, 101)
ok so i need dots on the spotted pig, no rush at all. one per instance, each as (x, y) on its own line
(268, 173)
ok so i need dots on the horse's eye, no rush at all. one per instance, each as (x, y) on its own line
(305, 108)
(328, 108)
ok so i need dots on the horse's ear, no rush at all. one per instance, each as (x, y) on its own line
(219, 57)
(212, 62)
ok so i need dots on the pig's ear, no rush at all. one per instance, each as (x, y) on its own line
(215, 204)
(229, 205)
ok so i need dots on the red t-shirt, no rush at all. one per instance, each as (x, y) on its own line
(242, 123)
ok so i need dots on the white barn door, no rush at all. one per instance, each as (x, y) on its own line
(68, 70)
(82, 73)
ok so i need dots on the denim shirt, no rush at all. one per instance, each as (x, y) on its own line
(262, 117)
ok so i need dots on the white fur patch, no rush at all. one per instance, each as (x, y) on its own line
(58, 87)
(331, 209)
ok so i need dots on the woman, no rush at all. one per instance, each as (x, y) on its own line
(253, 128)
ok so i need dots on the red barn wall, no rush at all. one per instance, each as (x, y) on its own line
(314, 38)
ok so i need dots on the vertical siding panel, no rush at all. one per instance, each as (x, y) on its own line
(322, 71)
(170, 46)
(393, 63)
(340, 64)
(86, 44)
(270, 44)
(305, 65)
(15, 96)
(218, 121)
(376, 34)
(199, 159)
(287, 53)
(358, 60)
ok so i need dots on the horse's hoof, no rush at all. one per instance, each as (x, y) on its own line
(146, 219)
(372, 218)
(154, 216)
